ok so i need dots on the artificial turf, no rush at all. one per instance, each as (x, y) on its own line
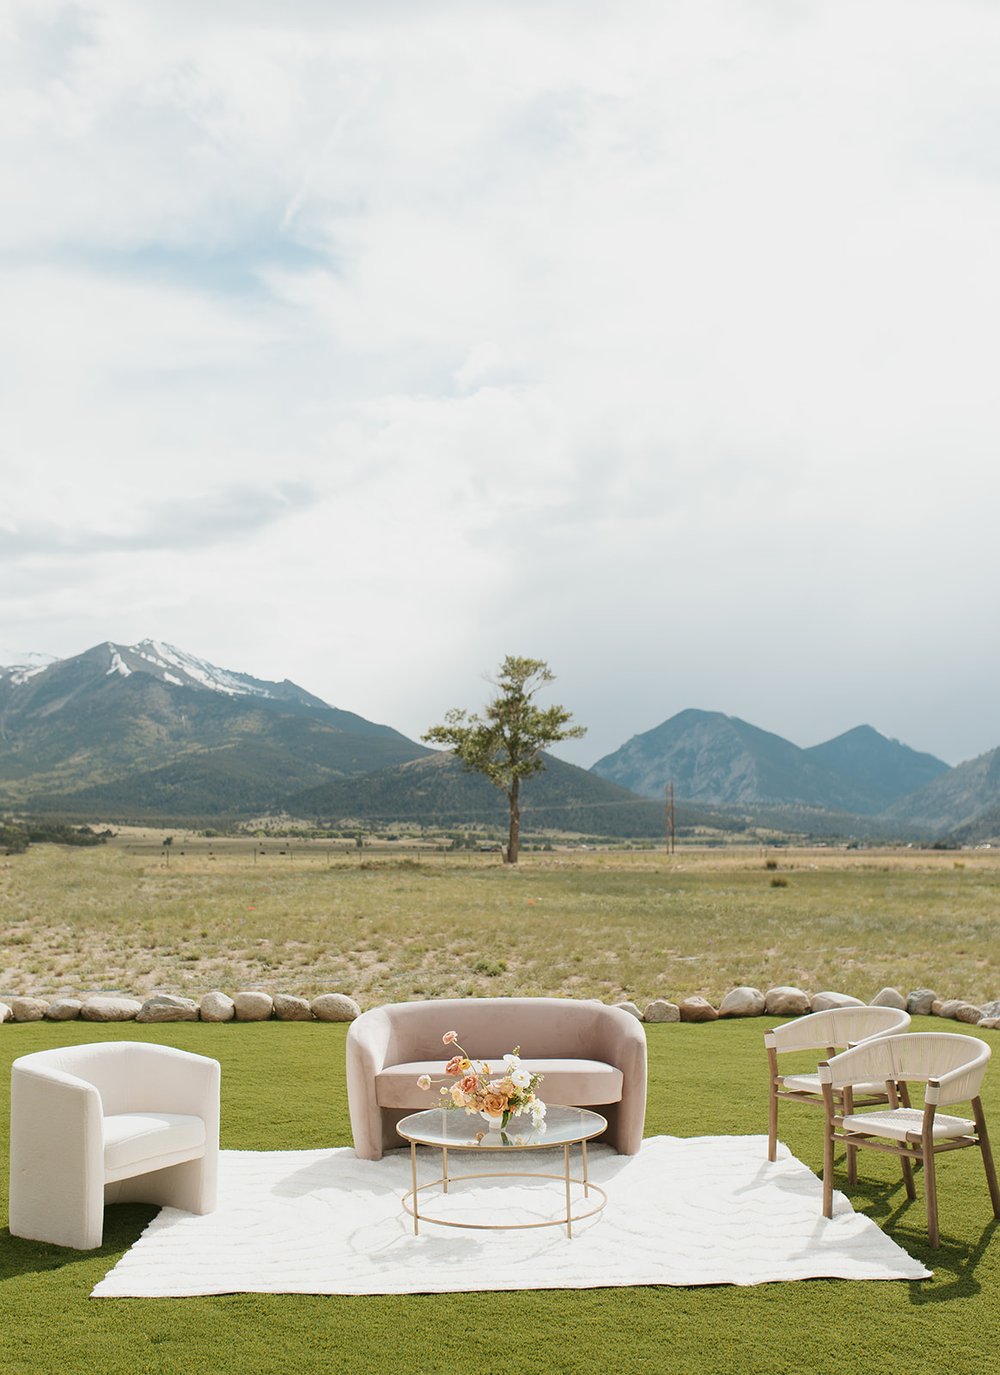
(284, 1088)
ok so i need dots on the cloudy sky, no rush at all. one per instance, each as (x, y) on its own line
(364, 344)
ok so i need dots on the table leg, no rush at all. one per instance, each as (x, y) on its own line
(586, 1180)
(444, 1168)
(413, 1171)
(569, 1209)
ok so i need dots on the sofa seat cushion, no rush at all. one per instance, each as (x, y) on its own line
(577, 1083)
(132, 1138)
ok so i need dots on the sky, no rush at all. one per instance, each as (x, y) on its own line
(364, 345)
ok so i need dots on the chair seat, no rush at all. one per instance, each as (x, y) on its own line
(896, 1123)
(809, 1083)
(134, 1137)
(579, 1083)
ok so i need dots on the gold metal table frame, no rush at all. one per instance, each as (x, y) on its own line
(569, 1127)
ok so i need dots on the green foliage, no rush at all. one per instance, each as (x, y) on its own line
(506, 743)
(16, 836)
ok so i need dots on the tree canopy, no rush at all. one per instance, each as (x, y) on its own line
(506, 742)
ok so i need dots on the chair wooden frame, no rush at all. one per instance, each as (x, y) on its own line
(952, 1068)
(829, 1031)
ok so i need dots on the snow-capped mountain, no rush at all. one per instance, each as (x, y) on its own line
(143, 729)
(171, 665)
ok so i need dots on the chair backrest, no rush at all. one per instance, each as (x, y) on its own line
(837, 1026)
(956, 1063)
(128, 1075)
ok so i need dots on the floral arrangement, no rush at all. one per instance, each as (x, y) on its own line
(498, 1095)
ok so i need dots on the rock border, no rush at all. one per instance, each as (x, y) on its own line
(256, 1005)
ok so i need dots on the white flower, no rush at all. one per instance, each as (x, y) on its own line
(520, 1078)
(511, 1062)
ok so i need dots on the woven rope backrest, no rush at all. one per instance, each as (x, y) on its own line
(839, 1026)
(915, 1058)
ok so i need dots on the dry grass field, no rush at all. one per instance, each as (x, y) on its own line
(381, 926)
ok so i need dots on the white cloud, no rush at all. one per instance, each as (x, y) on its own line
(653, 339)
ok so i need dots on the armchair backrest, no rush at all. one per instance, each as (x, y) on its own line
(952, 1065)
(837, 1026)
(129, 1076)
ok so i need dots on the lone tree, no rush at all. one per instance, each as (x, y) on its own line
(506, 743)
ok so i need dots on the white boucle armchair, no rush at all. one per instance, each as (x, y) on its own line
(114, 1122)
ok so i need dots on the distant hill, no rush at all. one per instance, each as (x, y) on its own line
(134, 728)
(880, 770)
(723, 761)
(965, 799)
(438, 790)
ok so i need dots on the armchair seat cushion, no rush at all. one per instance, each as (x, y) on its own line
(132, 1138)
(896, 1123)
(581, 1083)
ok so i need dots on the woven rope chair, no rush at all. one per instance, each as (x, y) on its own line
(829, 1031)
(952, 1069)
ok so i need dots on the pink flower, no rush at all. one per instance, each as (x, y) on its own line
(449, 1038)
(469, 1084)
(456, 1065)
(424, 1082)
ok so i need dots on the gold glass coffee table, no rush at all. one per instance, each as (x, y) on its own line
(455, 1130)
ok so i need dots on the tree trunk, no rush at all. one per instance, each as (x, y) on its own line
(514, 835)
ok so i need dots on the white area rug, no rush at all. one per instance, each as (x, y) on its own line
(703, 1210)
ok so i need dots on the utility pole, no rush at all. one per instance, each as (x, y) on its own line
(671, 827)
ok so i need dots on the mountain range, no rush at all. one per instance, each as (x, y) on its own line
(149, 732)
(723, 761)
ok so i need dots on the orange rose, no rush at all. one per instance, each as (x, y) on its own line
(495, 1103)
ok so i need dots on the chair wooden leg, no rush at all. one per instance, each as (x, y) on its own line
(852, 1151)
(984, 1146)
(828, 1170)
(772, 1125)
(930, 1188)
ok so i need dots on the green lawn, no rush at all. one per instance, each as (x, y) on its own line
(283, 1087)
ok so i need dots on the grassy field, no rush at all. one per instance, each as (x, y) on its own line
(283, 1088)
(382, 927)
(610, 925)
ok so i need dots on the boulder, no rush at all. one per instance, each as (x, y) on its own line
(786, 1001)
(335, 1007)
(992, 1008)
(63, 1009)
(217, 1007)
(5, 1013)
(742, 1002)
(960, 1011)
(889, 997)
(630, 1007)
(660, 1010)
(696, 1009)
(822, 1002)
(28, 1009)
(935, 1008)
(987, 1023)
(253, 1006)
(288, 1008)
(919, 1001)
(109, 1007)
(167, 1007)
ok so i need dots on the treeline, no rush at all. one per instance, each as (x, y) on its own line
(16, 836)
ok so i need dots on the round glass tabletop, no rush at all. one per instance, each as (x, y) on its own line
(458, 1130)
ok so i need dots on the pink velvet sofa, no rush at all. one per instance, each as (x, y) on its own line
(591, 1056)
